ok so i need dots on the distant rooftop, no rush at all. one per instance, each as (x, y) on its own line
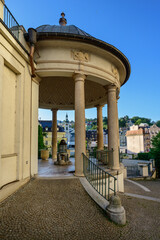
(48, 124)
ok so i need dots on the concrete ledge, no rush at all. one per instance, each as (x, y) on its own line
(113, 209)
(9, 189)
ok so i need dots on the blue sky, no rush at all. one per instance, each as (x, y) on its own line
(131, 26)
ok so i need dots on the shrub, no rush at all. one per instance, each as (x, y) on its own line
(143, 156)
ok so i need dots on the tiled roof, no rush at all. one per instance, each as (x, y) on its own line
(48, 124)
(135, 132)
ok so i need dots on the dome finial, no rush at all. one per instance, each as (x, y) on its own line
(62, 20)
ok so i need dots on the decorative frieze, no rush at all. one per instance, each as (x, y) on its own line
(80, 56)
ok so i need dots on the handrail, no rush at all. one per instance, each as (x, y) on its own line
(11, 22)
(100, 179)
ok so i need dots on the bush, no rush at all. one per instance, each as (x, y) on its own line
(155, 151)
(143, 156)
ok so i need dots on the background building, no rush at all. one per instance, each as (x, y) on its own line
(154, 130)
(138, 139)
(47, 129)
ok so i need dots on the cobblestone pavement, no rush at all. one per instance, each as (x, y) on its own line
(61, 209)
(152, 185)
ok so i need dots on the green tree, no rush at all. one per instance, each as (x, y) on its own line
(144, 156)
(126, 118)
(105, 120)
(105, 126)
(138, 122)
(40, 139)
(158, 123)
(122, 122)
(94, 127)
(155, 152)
(105, 123)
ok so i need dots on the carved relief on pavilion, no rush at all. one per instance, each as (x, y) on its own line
(115, 72)
(80, 55)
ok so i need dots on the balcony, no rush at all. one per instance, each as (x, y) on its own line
(9, 21)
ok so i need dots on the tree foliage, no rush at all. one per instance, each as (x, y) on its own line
(158, 123)
(105, 120)
(138, 120)
(155, 152)
(143, 156)
(40, 139)
(122, 122)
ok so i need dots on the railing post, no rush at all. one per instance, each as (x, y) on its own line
(105, 184)
(114, 186)
(83, 165)
(108, 186)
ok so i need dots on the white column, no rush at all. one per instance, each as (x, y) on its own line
(54, 134)
(1, 9)
(1, 84)
(79, 123)
(118, 123)
(99, 128)
(112, 128)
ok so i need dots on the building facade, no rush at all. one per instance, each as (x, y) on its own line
(153, 131)
(47, 129)
(138, 139)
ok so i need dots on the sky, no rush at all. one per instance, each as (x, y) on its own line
(132, 26)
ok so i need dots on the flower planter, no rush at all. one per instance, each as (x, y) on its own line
(44, 154)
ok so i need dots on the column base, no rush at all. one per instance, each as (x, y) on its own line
(78, 174)
(115, 168)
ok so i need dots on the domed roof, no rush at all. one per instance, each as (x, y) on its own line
(70, 29)
(71, 32)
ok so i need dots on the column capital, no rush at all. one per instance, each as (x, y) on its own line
(54, 109)
(99, 106)
(79, 77)
(111, 87)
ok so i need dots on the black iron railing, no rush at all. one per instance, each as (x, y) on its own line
(11, 22)
(103, 182)
(102, 156)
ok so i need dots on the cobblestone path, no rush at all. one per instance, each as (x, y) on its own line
(61, 209)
